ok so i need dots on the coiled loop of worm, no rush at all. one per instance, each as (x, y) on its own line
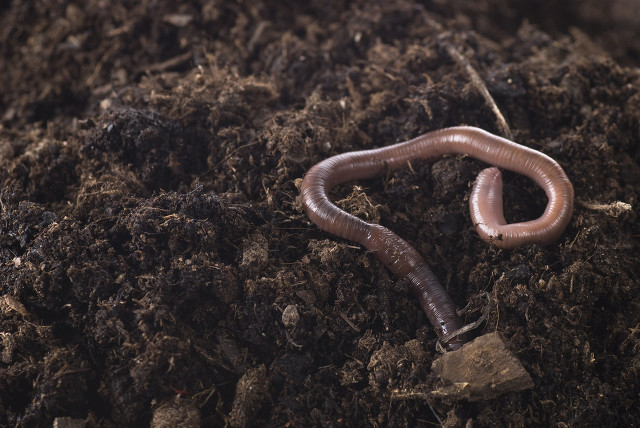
(485, 204)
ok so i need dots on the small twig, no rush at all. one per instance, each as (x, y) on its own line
(403, 395)
(170, 63)
(614, 209)
(477, 81)
(228, 156)
(290, 340)
(348, 321)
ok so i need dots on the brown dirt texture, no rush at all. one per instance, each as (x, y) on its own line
(158, 268)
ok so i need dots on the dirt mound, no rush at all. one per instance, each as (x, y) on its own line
(156, 260)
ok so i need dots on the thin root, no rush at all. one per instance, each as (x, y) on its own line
(614, 209)
(469, 326)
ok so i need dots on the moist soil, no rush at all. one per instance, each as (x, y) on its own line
(158, 267)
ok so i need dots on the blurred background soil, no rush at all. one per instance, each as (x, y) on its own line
(156, 264)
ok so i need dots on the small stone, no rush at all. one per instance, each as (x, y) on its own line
(290, 316)
(481, 370)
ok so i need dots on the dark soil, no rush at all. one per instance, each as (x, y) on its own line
(156, 260)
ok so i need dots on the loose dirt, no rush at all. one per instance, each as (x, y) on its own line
(156, 260)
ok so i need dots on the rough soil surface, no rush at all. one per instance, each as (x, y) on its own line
(156, 260)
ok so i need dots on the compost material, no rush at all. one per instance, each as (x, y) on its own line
(157, 267)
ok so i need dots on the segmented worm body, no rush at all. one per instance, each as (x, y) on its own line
(485, 203)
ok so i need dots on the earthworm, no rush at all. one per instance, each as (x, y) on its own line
(485, 204)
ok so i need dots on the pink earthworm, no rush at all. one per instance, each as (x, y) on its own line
(485, 204)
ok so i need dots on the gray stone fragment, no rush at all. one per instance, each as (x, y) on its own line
(481, 370)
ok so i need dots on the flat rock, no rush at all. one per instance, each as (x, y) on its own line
(481, 370)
